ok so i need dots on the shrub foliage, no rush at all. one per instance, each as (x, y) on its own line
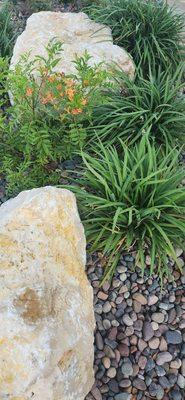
(47, 122)
(133, 202)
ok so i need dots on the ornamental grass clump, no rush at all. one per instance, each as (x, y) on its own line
(133, 202)
(149, 30)
(156, 104)
(7, 30)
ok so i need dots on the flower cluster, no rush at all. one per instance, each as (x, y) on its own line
(66, 95)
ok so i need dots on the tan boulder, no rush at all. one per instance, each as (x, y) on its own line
(78, 34)
(46, 302)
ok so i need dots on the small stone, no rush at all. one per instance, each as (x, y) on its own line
(127, 320)
(183, 367)
(181, 381)
(175, 395)
(175, 364)
(98, 309)
(163, 345)
(129, 331)
(172, 379)
(139, 384)
(173, 337)
(156, 391)
(106, 362)
(148, 260)
(99, 341)
(166, 306)
(150, 365)
(160, 371)
(164, 382)
(96, 394)
(178, 252)
(140, 298)
(142, 362)
(115, 323)
(127, 368)
(113, 385)
(106, 324)
(138, 325)
(181, 262)
(141, 345)
(123, 396)
(152, 300)
(124, 350)
(137, 306)
(123, 277)
(113, 333)
(111, 373)
(154, 343)
(125, 383)
(106, 307)
(158, 317)
(102, 296)
(171, 315)
(148, 331)
(163, 358)
(155, 325)
(109, 352)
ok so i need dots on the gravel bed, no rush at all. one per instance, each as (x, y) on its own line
(140, 330)
(140, 333)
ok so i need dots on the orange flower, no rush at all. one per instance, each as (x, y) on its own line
(76, 111)
(59, 87)
(70, 83)
(84, 102)
(70, 93)
(51, 78)
(48, 98)
(29, 92)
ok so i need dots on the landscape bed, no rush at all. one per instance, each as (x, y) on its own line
(122, 154)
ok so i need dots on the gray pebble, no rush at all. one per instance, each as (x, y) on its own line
(173, 337)
(99, 341)
(106, 307)
(127, 320)
(123, 396)
(127, 368)
(156, 391)
(148, 331)
(163, 358)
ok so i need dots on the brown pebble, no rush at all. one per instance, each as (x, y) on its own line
(140, 298)
(111, 373)
(142, 362)
(137, 306)
(113, 333)
(102, 296)
(141, 344)
(154, 343)
(96, 393)
(124, 350)
(106, 362)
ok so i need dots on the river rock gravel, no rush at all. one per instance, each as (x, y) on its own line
(140, 333)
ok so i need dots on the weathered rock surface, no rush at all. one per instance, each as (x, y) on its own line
(46, 302)
(77, 33)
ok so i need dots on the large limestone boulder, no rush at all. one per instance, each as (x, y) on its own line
(77, 33)
(46, 302)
